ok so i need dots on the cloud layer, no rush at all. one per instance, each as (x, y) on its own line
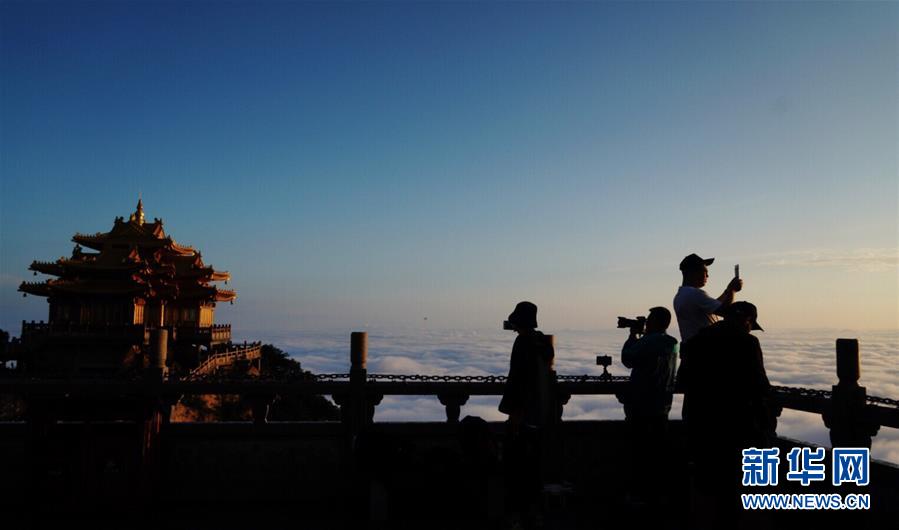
(863, 259)
(794, 358)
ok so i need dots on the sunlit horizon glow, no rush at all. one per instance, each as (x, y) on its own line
(362, 166)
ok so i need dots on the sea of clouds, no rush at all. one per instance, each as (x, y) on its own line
(803, 358)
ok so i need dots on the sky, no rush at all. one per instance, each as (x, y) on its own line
(366, 165)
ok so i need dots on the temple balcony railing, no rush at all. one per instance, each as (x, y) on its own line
(210, 335)
(220, 333)
(32, 328)
(35, 331)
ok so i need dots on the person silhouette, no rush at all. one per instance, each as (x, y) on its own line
(726, 404)
(528, 400)
(694, 308)
(652, 359)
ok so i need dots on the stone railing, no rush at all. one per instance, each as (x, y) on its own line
(244, 352)
(852, 416)
(282, 465)
(215, 334)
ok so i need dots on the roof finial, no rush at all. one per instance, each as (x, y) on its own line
(139, 213)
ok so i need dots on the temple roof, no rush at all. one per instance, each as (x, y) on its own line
(130, 231)
(51, 287)
(134, 257)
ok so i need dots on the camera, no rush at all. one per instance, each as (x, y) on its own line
(508, 326)
(635, 324)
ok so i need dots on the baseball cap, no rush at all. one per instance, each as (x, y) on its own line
(693, 261)
(744, 309)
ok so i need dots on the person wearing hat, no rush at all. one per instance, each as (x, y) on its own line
(694, 308)
(726, 404)
(528, 400)
(526, 397)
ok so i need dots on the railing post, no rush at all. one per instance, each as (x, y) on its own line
(843, 415)
(453, 404)
(358, 355)
(357, 408)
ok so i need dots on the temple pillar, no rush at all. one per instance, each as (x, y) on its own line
(159, 356)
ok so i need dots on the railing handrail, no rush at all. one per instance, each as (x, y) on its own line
(794, 398)
(246, 352)
(197, 326)
(852, 417)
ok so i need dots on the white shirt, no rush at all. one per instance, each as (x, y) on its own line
(694, 309)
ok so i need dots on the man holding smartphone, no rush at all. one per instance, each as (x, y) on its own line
(694, 308)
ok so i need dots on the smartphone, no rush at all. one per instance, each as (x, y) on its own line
(736, 271)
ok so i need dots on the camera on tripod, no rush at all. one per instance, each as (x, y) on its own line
(605, 361)
(637, 325)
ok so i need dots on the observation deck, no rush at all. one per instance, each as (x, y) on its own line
(105, 452)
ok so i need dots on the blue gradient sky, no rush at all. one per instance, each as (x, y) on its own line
(364, 165)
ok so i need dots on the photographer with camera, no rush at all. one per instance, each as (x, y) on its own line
(651, 354)
(528, 400)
